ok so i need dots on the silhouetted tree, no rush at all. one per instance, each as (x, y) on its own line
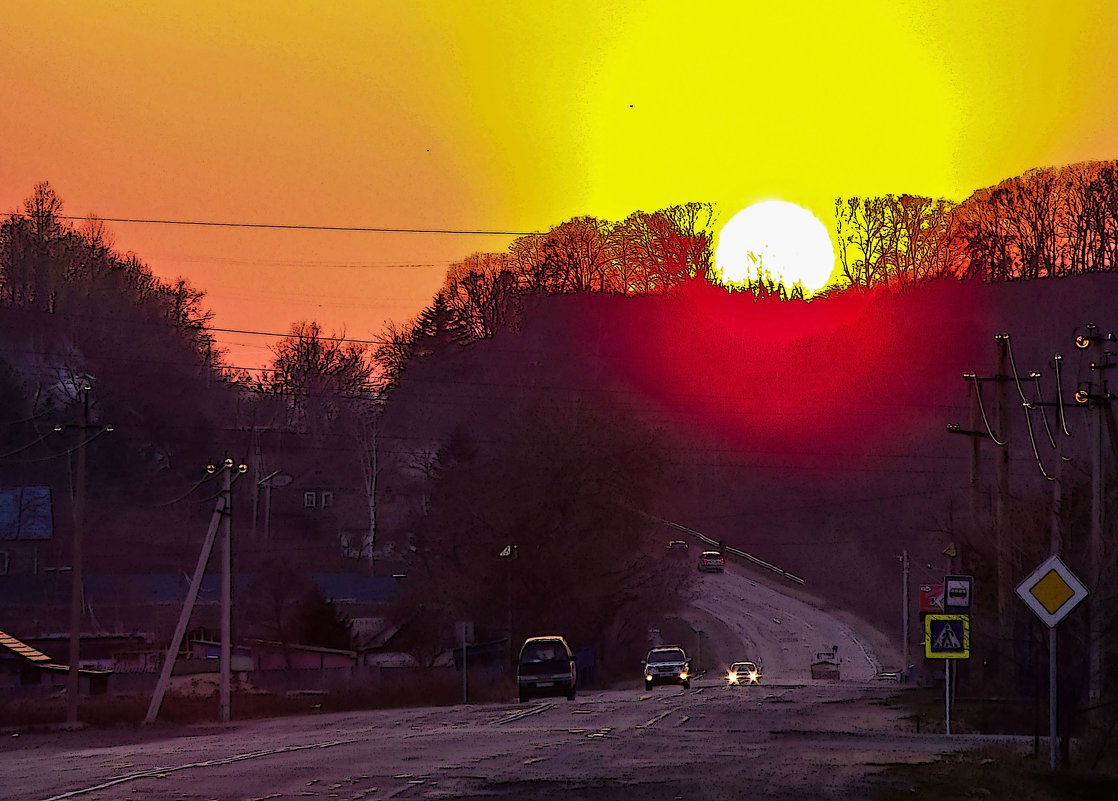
(321, 623)
(569, 488)
(320, 378)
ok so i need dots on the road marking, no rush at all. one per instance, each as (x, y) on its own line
(162, 772)
(534, 710)
(654, 720)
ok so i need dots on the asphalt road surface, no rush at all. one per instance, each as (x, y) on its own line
(789, 738)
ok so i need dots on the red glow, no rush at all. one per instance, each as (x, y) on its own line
(798, 380)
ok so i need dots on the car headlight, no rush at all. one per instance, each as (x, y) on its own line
(754, 676)
(648, 677)
(683, 674)
(732, 677)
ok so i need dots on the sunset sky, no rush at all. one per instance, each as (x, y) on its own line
(512, 117)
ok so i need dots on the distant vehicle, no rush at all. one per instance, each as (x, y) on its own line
(826, 665)
(743, 673)
(668, 664)
(546, 667)
(711, 562)
(677, 545)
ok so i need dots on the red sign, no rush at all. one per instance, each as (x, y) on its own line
(931, 598)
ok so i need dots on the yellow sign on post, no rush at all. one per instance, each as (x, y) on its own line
(947, 636)
(1052, 591)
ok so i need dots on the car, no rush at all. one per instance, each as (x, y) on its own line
(711, 562)
(743, 673)
(667, 664)
(546, 667)
(677, 545)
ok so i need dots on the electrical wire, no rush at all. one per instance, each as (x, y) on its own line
(1043, 413)
(74, 449)
(25, 447)
(182, 497)
(982, 408)
(1032, 441)
(299, 227)
(1060, 397)
(1027, 406)
(1013, 367)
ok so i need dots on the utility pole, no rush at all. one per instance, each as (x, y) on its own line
(1100, 400)
(1001, 501)
(906, 570)
(221, 520)
(226, 586)
(77, 586)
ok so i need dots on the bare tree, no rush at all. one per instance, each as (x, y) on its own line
(481, 293)
(317, 375)
(866, 238)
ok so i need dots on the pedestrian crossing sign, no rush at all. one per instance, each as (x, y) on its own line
(947, 636)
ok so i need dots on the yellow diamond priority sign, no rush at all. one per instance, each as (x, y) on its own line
(1052, 591)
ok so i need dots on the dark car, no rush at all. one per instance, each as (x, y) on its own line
(546, 667)
(667, 664)
(711, 562)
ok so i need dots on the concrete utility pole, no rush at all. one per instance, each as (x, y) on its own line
(221, 520)
(906, 570)
(1100, 399)
(226, 586)
(77, 587)
(1001, 502)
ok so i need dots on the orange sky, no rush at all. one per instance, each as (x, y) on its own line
(512, 116)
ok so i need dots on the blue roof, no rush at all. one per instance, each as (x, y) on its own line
(355, 588)
(25, 514)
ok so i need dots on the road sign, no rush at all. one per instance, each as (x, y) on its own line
(1052, 591)
(947, 636)
(931, 598)
(957, 594)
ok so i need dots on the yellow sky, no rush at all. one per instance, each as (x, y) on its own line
(513, 116)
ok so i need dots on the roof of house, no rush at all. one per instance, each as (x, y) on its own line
(355, 588)
(20, 648)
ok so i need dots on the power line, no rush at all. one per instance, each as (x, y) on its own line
(300, 227)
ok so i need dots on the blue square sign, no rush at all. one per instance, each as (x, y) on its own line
(947, 636)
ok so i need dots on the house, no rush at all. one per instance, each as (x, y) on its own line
(24, 666)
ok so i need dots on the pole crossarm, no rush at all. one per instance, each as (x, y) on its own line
(953, 428)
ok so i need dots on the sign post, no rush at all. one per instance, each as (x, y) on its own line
(947, 637)
(1052, 591)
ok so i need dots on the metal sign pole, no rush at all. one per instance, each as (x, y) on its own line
(947, 693)
(1052, 698)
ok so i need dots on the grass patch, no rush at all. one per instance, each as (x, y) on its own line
(994, 772)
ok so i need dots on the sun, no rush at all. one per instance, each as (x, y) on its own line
(775, 239)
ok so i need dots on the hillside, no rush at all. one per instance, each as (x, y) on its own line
(812, 435)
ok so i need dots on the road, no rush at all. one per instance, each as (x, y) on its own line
(790, 738)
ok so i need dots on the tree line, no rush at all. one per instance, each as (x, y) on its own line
(1046, 223)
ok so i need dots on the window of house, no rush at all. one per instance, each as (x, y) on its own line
(309, 499)
(327, 499)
